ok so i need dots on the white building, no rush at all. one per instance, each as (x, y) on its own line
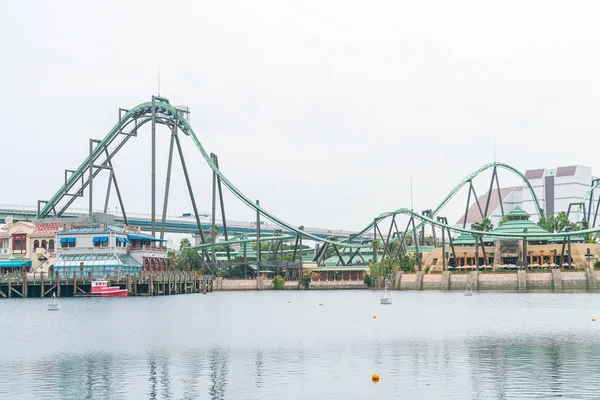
(104, 249)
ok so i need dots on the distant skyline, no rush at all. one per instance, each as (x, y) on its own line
(322, 110)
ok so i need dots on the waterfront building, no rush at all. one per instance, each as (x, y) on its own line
(496, 251)
(27, 245)
(102, 249)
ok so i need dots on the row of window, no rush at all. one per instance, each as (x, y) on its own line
(48, 245)
(19, 243)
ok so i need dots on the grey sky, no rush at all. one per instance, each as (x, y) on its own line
(340, 100)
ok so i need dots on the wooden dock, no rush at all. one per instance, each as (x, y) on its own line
(145, 283)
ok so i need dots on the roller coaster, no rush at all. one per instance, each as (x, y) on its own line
(159, 111)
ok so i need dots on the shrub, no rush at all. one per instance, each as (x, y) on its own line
(368, 281)
(278, 283)
(305, 282)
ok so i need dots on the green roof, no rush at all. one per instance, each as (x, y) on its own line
(518, 212)
(464, 239)
(516, 226)
(341, 269)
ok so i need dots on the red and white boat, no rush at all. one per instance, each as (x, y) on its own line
(101, 289)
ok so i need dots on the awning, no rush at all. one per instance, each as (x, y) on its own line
(122, 240)
(67, 240)
(100, 239)
(14, 263)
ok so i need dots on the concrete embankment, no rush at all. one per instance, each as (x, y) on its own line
(221, 284)
(517, 281)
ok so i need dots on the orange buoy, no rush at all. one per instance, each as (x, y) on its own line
(593, 319)
(375, 378)
(374, 316)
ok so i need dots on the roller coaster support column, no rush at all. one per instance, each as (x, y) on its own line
(472, 188)
(168, 181)
(301, 252)
(467, 209)
(524, 258)
(216, 160)
(213, 234)
(387, 240)
(114, 180)
(258, 250)
(444, 220)
(153, 166)
(90, 178)
(191, 193)
(443, 249)
(245, 260)
(485, 258)
(416, 242)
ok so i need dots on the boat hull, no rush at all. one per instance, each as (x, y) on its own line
(112, 293)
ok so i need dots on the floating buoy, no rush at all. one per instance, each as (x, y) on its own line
(289, 301)
(320, 304)
(593, 319)
(375, 378)
(374, 316)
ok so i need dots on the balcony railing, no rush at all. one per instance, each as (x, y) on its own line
(147, 248)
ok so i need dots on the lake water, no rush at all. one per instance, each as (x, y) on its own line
(259, 345)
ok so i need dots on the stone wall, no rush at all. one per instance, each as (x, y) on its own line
(555, 280)
(521, 280)
(267, 284)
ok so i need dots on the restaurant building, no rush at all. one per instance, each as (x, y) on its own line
(102, 249)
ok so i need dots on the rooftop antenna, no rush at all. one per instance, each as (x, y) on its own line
(159, 81)
(494, 149)
(411, 194)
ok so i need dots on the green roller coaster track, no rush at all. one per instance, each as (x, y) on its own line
(166, 109)
(459, 186)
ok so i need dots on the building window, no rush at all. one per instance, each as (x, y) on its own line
(36, 244)
(19, 243)
(51, 244)
(44, 244)
(67, 242)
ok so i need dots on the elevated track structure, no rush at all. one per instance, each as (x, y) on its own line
(342, 244)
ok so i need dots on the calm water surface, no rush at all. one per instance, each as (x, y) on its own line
(257, 345)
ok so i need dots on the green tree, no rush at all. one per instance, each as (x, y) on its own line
(185, 244)
(408, 262)
(171, 258)
(278, 283)
(305, 282)
(376, 246)
(502, 220)
(554, 224)
(485, 225)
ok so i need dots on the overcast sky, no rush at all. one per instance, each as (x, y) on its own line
(320, 109)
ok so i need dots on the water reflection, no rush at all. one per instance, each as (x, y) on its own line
(218, 366)
(415, 357)
(259, 369)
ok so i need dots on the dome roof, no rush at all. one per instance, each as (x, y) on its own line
(517, 221)
(464, 239)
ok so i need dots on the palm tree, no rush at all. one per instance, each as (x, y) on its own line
(376, 245)
(485, 225)
(185, 244)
